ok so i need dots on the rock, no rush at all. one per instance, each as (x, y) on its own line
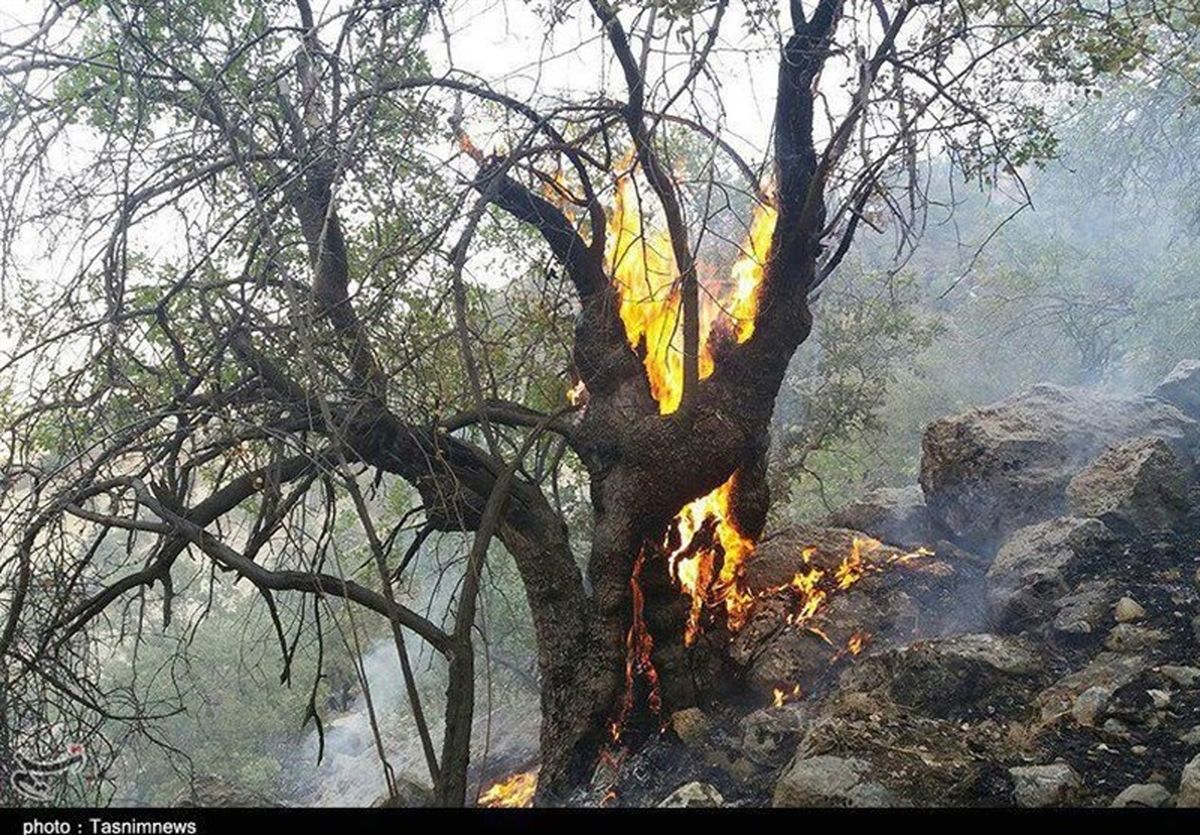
(1159, 698)
(1183, 676)
(1115, 727)
(1085, 609)
(1149, 795)
(1037, 786)
(1189, 785)
(1031, 569)
(824, 780)
(408, 795)
(1181, 387)
(769, 735)
(896, 515)
(946, 676)
(694, 795)
(1089, 705)
(888, 604)
(1109, 670)
(993, 470)
(1192, 737)
(1128, 610)
(1125, 637)
(1082, 611)
(1138, 485)
(691, 725)
(211, 791)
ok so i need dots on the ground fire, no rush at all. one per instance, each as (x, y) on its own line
(513, 792)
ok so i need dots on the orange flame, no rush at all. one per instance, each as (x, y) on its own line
(639, 647)
(697, 574)
(642, 265)
(513, 792)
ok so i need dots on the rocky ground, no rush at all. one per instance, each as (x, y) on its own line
(1047, 654)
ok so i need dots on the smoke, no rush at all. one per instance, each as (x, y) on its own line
(350, 772)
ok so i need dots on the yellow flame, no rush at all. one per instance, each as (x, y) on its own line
(780, 696)
(577, 395)
(513, 792)
(642, 264)
(695, 573)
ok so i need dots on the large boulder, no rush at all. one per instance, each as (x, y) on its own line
(896, 515)
(1036, 786)
(407, 795)
(693, 795)
(1189, 785)
(824, 781)
(879, 751)
(1181, 387)
(887, 598)
(952, 677)
(209, 791)
(993, 470)
(1106, 673)
(1138, 486)
(1032, 569)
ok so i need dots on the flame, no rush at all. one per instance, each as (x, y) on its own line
(642, 264)
(513, 792)
(639, 648)
(810, 588)
(781, 696)
(697, 573)
(577, 395)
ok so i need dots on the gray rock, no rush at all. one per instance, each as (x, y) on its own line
(1189, 785)
(1030, 570)
(896, 515)
(1128, 610)
(1084, 610)
(1192, 737)
(1149, 795)
(409, 795)
(942, 676)
(1037, 786)
(893, 600)
(1089, 705)
(212, 791)
(1108, 669)
(769, 735)
(829, 781)
(1181, 387)
(1125, 637)
(1183, 676)
(993, 470)
(1137, 485)
(694, 795)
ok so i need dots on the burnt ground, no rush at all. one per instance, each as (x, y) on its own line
(946, 733)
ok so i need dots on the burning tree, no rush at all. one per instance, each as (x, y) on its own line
(261, 232)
